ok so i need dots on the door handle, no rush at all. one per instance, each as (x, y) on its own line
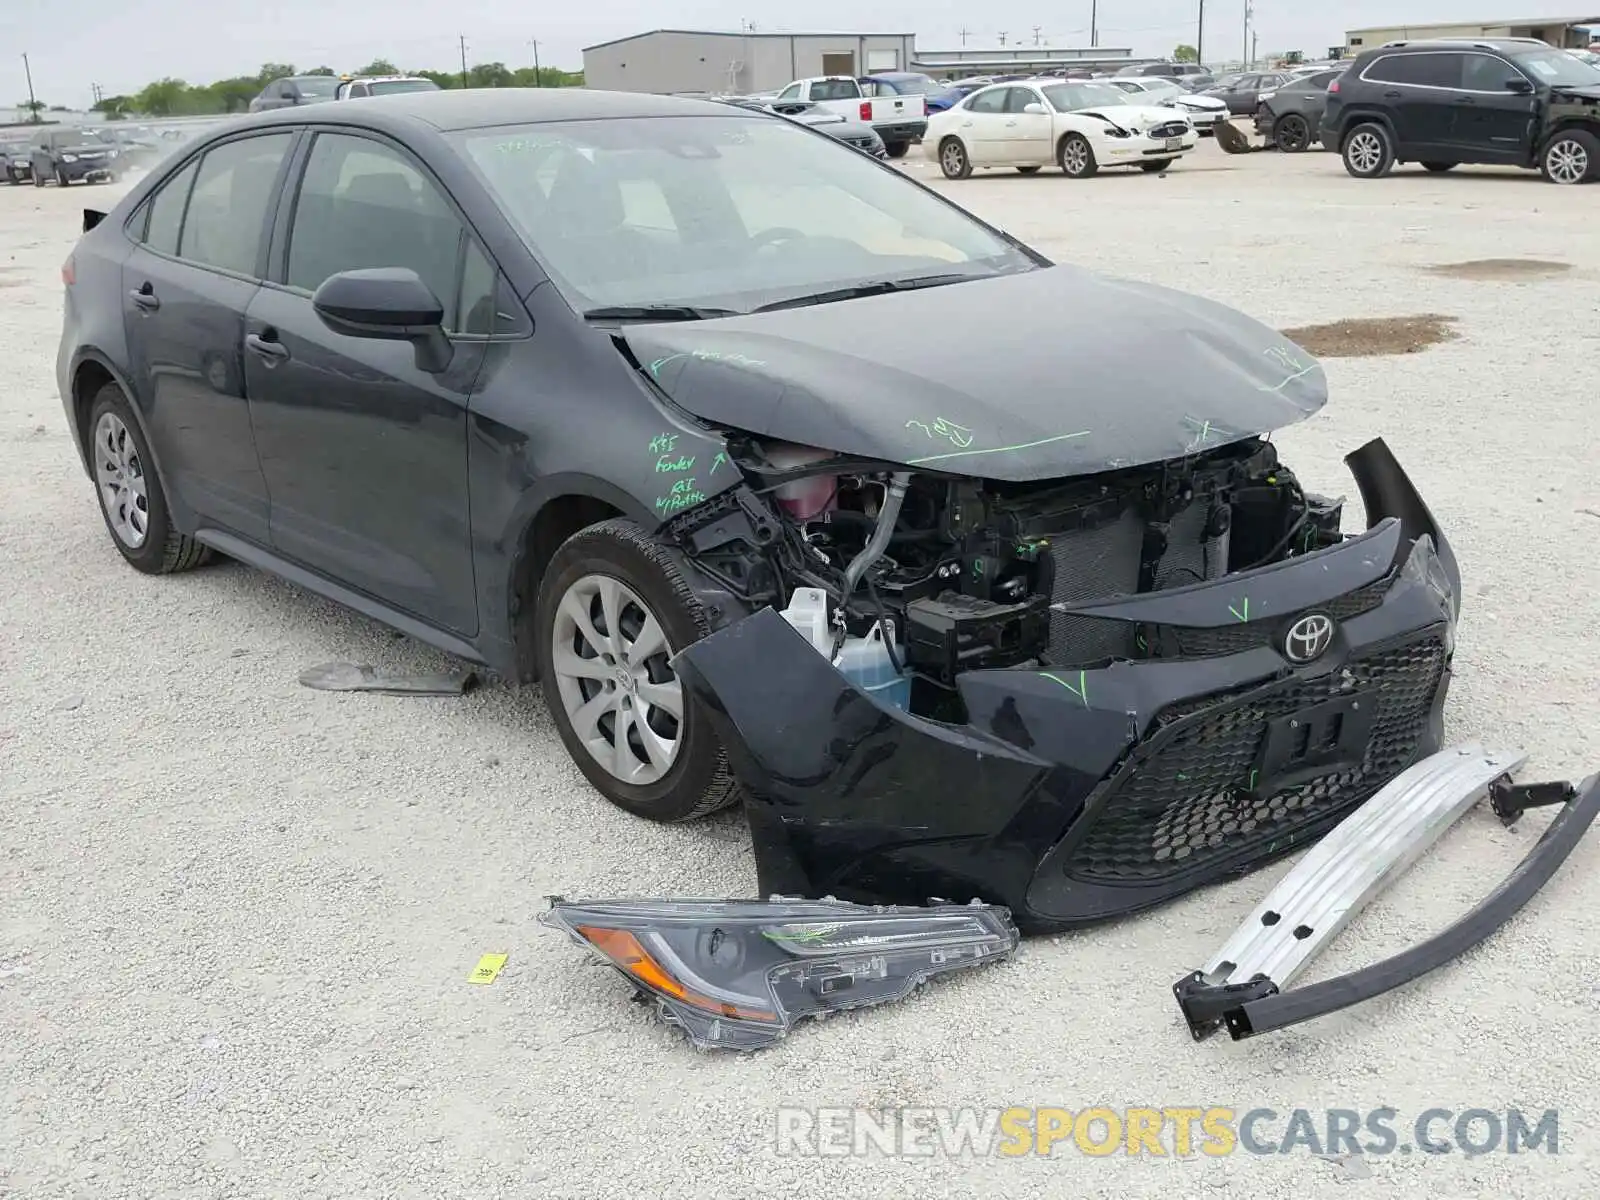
(271, 350)
(1465, 100)
(1393, 95)
(144, 297)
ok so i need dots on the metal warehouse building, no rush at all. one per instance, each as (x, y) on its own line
(1570, 32)
(691, 60)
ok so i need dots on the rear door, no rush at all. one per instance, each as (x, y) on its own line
(200, 242)
(365, 454)
(1490, 122)
(1418, 90)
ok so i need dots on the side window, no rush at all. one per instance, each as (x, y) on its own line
(991, 101)
(1020, 98)
(363, 204)
(480, 292)
(792, 92)
(165, 215)
(228, 206)
(1419, 70)
(358, 89)
(1485, 73)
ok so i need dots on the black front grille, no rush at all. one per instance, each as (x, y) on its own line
(1172, 641)
(1170, 129)
(1182, 802)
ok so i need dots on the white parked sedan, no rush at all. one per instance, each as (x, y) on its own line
(1203, 111)
(1081, 127)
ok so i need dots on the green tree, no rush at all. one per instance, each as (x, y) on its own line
(33, 108)
(163, 98)
(114, 106)
(379, 66)
(271, 71)
(445, 79)
(1186, 54)
(322, 71)
(490, 75)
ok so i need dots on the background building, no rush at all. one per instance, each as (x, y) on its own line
(689, 60)
(1571, 32)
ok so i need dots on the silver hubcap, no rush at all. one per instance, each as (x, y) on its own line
(1365, 152)
(1567, 162)
(1075, 157)
(953, 159)
(610, 658)
(123, 489)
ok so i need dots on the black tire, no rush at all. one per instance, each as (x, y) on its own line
(1368, 151)
(1291, 134)
(698, 781)
(1570, 156)
(61, 177)
(1439, 167)
(38, 179)
(1027, 170)
(954, 160)
(1076, 151)
(164, 551)
(896, 149)
(1156, 167)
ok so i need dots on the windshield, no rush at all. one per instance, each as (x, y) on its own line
(719, 212)
(1071, 97)
(316, 85)
(1557, 68)
(88, 135)
(1161, 89)
(390, 87)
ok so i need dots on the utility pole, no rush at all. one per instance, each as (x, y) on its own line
(1002, 37)
(1249, 11)
(1200, 35)
(33, 103)
(1094, 22)
(1036, 37)
(463, 40)
(537, 81)
(964, 35)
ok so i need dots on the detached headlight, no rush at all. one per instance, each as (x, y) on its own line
(69, 158)
(739, 974)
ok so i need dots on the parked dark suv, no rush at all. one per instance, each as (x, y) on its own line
(1507, 101)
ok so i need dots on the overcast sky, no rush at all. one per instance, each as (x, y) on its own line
(123, 44)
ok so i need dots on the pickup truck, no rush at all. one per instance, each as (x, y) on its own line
(898, 120)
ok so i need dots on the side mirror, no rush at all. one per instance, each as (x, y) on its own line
(1520, 86)
(1037, 110)
(389, 304)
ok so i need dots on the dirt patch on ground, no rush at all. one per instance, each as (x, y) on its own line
(1371, 337)
(1500, 270)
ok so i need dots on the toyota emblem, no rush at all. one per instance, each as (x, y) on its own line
(1308, 638)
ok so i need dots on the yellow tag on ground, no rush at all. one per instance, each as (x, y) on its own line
(488, 968)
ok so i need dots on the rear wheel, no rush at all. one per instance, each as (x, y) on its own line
(132, 500)
(613, 609)
(1439, 167)
(1156, 167)
(1368, 151)
(1291, 134)
(1076, 157)
(896, 149)
(1027, 170)
(953, 159)
(1570, 156)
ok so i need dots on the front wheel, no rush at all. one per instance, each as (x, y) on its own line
(1156, 167)
(613, 609)
(1076, 157)
(896, 149)
(954, 160)
(1571, 156)
(61, 177)
(1368, 151)
(1291, 134)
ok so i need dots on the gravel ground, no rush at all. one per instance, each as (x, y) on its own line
(237, 916)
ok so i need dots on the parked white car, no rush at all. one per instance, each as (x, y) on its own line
(1203, 111)
(1081, 127)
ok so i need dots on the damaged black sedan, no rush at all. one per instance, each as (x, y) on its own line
(974, 575)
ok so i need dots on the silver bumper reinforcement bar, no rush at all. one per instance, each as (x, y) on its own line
(1241, 987)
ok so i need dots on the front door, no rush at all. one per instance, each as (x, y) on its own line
(1491, 122)
(1027, 135)
(186, 287)
(364, 453)
(983, 126)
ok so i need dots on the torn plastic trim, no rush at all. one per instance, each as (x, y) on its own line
(1359, 859)
(739, 974)
(1255, 1007)
(1387, 491)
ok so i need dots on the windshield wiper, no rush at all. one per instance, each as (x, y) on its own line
(657, 312)
(878, 287)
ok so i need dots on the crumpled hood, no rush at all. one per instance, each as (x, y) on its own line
(1048, 373)
(86, 149)
(1205, 103)
(1134, 116)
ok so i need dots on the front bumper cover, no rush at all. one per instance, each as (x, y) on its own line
(1074, 797)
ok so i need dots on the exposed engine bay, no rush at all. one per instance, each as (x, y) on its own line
(950, 574)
